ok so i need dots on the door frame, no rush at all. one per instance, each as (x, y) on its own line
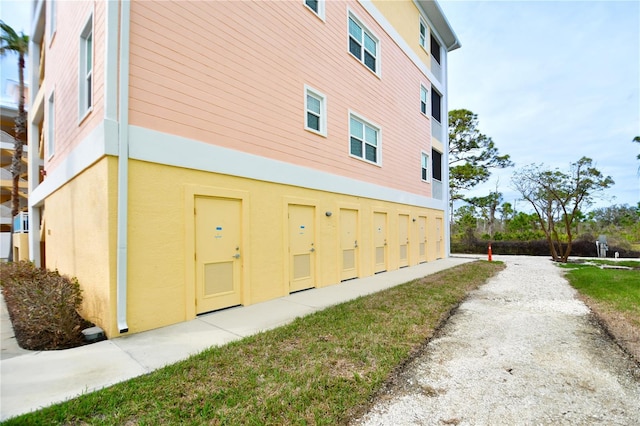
(359, 238)
(406, 213)
(190, 194)
(286, 265)
(439, 234)
(426, 238)
(387, 254)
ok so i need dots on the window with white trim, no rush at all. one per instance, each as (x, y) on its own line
(315, 105)
(423, 34)
(317, 6)
(363, 44)
(86, 69)
(425, 167)
(51, 126)
(364, 139)
(424, 96)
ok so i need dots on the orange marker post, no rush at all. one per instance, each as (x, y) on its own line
(489, 252)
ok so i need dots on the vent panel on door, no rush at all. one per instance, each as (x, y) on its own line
(301, 266)
(380, 255)
(218, 278)
(348, 259)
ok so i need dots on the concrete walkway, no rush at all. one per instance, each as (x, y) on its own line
(32, 380)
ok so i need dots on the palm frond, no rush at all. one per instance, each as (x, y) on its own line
(10, 40)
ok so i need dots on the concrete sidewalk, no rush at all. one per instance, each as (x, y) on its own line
(32, 380)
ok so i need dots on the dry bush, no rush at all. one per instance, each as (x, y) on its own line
(43, 306)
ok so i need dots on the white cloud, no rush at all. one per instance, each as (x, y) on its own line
(552, 82)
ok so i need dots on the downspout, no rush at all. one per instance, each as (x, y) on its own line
(447, 205)
(123, 170)
(33, 133)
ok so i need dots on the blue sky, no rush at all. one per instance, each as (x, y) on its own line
(17, 15)
(552, 81)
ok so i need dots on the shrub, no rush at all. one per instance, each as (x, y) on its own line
(579, 248)
(43, 306)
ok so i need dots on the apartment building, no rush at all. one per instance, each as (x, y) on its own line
(196, 156)
(18, 225)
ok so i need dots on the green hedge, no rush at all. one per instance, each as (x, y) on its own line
(536, 248)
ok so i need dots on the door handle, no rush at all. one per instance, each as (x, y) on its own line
(312, 249)
(355, 244)
(236, 256)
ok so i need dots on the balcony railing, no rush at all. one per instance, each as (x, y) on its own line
(436, 130)
(436, 189)
(21, 223)
(436, 69)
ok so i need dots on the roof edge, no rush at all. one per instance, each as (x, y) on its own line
(441, 24)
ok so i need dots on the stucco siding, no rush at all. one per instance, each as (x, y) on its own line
(161, 286)
(79, 237)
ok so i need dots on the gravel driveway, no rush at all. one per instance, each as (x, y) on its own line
(521, 350)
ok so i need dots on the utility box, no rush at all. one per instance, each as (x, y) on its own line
(601, 246)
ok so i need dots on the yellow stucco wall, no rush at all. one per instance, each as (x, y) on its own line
(80, 238)
(20, 246)
(161, 283)
(405, 18)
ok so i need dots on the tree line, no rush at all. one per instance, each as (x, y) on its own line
(619, 223)
(559, 198)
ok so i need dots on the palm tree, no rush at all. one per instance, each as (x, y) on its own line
(637, 139)
(18, 43)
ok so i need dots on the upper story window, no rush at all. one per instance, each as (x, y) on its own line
(423, 34)
(315, 111)
(425, 167)
(424, 96)
(364, 139)
(436, 169)
(436, 105)
(51, 126)
(437, 187)
(86, 69)
(435, 49)
(317, 6)
(363, 44)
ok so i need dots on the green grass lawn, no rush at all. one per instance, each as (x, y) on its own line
(320, 369)
(619, 289)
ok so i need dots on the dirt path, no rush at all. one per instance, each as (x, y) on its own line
(521, 350)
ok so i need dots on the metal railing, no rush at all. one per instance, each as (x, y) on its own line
(21, 223)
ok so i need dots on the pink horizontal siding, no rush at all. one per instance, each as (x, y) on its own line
(61, 75)
(233, 74)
